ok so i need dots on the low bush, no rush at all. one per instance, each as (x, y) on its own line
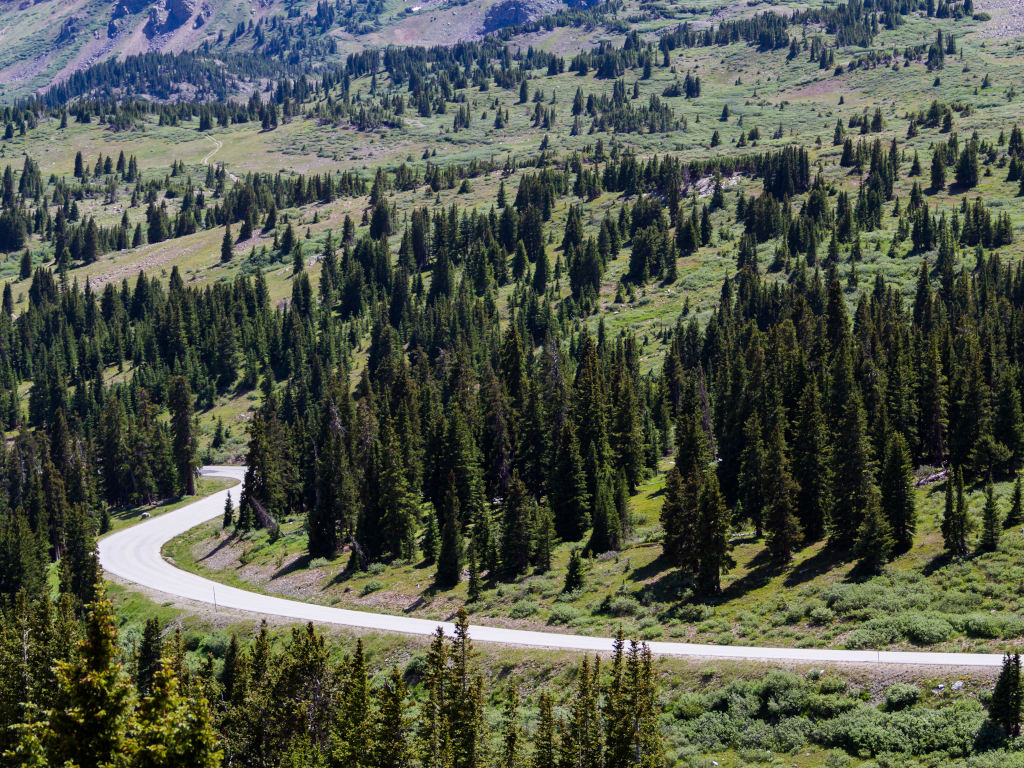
(523, 608)
(563, 614)
(900, 696)
(927, 629)
(373, 585)
(623, 605)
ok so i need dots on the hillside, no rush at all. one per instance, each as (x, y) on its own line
(46, 42)
(702, 322)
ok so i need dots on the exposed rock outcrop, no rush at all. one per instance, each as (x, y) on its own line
(172, 15)
(124, 8)
(180, 11)
(507, 13)
(68, 30)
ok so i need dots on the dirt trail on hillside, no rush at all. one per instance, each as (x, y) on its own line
(216, 147)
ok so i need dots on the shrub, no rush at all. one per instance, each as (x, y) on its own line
(689, 706)
(927, 629)
(623, 605)
(376, 569)
(875, 633)
(373, 585)
(838, 759)
(900, 696)
(831, 684)
(984, 625)
(416, 666)
(822, 706)
(695, 613)
(821, 615)
(319, 562)
(215, 643)
(522, 609)
(563, 614)
(917, 731)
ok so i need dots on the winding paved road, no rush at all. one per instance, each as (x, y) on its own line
(133, 554)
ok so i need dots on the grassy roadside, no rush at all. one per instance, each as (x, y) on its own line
(205, 486)
(922, 600)
(714, 712)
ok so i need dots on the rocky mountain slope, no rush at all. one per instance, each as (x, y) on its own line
(44, 42)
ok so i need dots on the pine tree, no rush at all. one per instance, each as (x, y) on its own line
(874, 543)
(473, 586)
(88, 725)
(623, 509)
(990, 519)
(568, 487)
(938, 172)
(852, 472)
(179, 401)
(752, 475)
(226, 252)
(955, 522)
(449, 558)
(812, 466)
(79, 568)
(967, 166)
(516, 524)
(897, 492)
(229, 511)
(1004, 707)
(540, 271)
(396, 507)
(679, 541)
(28, 750)
(172, 728)
(147, 659)
(574, 577)
(604, 535)
(389, 744)
(434, 737)
(466, 705)
(712, 536)
(780, 493)
(545, 744)
(512, 731)
(580, 741)
(431, 543)
(351, 720)
(542, 539)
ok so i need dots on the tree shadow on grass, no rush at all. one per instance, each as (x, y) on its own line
(760, 571)
(939, 561)
(230, 539)
(823, 561)
(658, 565)
(298, 564)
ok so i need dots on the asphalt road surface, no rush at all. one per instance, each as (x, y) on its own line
(133, 554)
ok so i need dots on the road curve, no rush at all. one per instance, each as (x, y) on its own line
(133, 554)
